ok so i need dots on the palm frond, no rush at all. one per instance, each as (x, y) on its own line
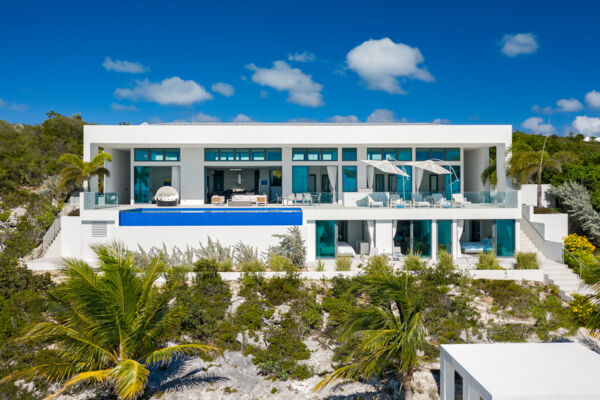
(94, 377)
(130, 378)
(167, 354)
(343, 374)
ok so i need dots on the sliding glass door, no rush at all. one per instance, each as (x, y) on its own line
(422, 237)
(141, 184)
(326, 239)
(444, 235)
(505, 237)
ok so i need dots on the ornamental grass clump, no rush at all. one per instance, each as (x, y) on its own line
(343, 263)
(527, 261)
(487, 260)
(412, 262)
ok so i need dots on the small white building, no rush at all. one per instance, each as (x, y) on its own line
(520, 371)
(350, 188)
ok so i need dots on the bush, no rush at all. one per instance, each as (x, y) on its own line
(582, 309)
(527, 261)
(378, 264)
(445, 261)
(578, 245)
(343, 263)
(244, 254)
(291, 246)
(412, 262)
(320, 266)
(252, 266)
(487, 260)
(279, 263)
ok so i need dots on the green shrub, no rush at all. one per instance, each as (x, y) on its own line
(320, 266)
(291, 246)
(281, 289)
(252, 266)
(279, 263)
(445, 261)
(509, 332)
(527, 261)
(487, 260)
(378, 264)
(412, 262)
(343, 263)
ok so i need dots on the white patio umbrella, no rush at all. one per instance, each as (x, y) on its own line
(431, 166)
(385, 166)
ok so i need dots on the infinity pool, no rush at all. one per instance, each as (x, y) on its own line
(210, 216)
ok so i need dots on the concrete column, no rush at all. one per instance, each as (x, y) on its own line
(501, 166)
(434, 239)
(455, 240)
(446, 380)
(286, 171)
(371, 230)
(131, 178)
(310, 231)
(384, 237)
(192, 176)
(361, 174)
(517, 235)
(93, 186)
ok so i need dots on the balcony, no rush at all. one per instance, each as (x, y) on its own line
(96, 200)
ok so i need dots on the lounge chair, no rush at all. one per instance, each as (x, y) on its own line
(290, 199)
(307, 198)
(299, 198)
(419, 202)
(397, 201)
(440, 201)
(459, 201)
(373, 203)
(217, 200)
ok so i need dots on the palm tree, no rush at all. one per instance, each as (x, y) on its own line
(108, 326)
(526, 163)
(387, 333)
(78, 171)
(490, 174)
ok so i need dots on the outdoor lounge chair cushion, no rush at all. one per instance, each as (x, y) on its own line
(167, 196)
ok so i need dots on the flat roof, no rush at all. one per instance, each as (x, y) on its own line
(530, 370)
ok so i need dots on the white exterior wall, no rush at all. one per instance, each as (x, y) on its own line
(475, 161)
(119, 180)
(384, 236)
(529, 195)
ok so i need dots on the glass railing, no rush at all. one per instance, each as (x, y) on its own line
(95, 200)
(309, 198)
(483, 199)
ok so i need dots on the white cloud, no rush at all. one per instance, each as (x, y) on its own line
(123, 66)
(301, 57)
(383, 115)
(242, 118)
(343, 119)
(592, 99)
(441, 121)
(540, 110)
(381, 62)
(222, 88)
(519, 43)
(199, 117)
(122, 107)
(264, 94)
(587, 125)
(170, 91)
(302, 89)
(569, 105)
(537, 125)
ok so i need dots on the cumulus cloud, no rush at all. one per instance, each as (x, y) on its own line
(199, 117)
(519, 43)
(123, 66)
(381, 62)
(343, 119)
(537, 125)
(383, 116)
(224, 89)
(122, 107)
(301, 57)
(242, 118)
(541, 110)
(592, 99)
(170, 91)
(569, 105)
(281, 77)
(441, 121)
(586, 125)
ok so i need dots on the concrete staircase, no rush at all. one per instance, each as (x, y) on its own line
(559, 274)
(51, 259)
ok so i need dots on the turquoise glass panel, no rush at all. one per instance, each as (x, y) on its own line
(258, 154)
(422, 237)
(141, 184)
(172, 155)
(330, 154)
(142, 155)
(300, 179)
(314, 154)
(157, 154)
(444, 234)
(298, 154)
(325, 239)
(453, 178)
(374, 154)
(405, 183)
(505, 237)
(404, 155)
(211, 154)
(389, 154)
(348, 154)
(452, 154)
(437, 154)
(423, 154)
(273, 154)
(226, 155)
(242, 155)
(349, 179)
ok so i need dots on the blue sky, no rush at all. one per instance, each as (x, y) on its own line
(459, 62)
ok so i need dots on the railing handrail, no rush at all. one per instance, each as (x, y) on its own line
(51, 234)
(581, 264)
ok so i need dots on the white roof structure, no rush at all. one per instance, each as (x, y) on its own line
(509, 371)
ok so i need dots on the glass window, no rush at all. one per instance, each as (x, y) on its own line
(242, 155)
(423, 154)
(141, 155)
(325, 240)
(452, 154)
(452, 180)
(404, 155)
(314, 154)
(300, 179)
(349, 179)
(157, 154)
(141, 184)
(258, 154)
(405, 183)
(402, 236)
(444, 235)
(422, 237)
(172, 154)
(505, 237)
(389, 154)
(211, 154)
(226, 155)
(374, 154)
(276, 177)
(330, 154)
(348, 154)
(298, 154)
(273, 154)
(437, 154)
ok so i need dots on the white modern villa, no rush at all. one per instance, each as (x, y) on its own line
(352, 189)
